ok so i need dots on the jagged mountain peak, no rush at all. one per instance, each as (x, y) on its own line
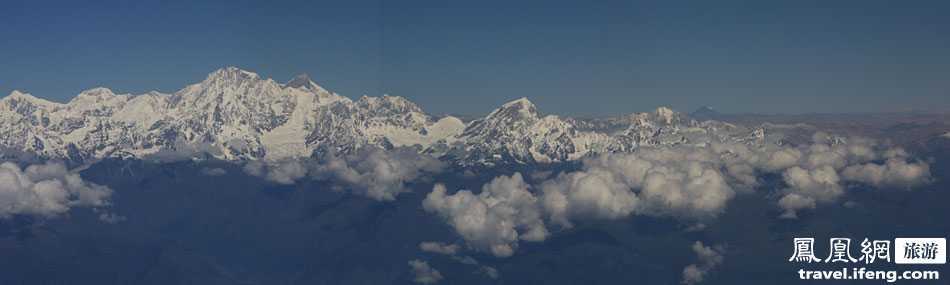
(386, 98)
(522, 102)
(228, 81)
(661, 115)
(388, 103)
(705, 113)
(666, 114)
(520, 108)
(300, 81)
(231, 73)
(94, 95)
(304, 83)
(18, 95)
(97, 91)
(234, 70)
(664, 111)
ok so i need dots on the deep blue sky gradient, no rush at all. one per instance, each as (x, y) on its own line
(569, 57)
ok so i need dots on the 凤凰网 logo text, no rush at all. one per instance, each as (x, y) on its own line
(903, 251)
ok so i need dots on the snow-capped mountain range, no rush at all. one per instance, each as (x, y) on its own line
(236, 115)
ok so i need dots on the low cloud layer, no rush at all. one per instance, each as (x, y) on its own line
(182, 150)
(423, 273)
(708, 258)
(281, 172)
(46, 190)
(894, 173)
(825, 168)
(370, 172)
(213, 171)
(689, 183)
(438, 247)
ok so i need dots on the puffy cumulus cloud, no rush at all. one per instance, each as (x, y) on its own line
(780, 158)
(708, 258)
(423, 273)
(371, 172)
(896, 172)
(682, 182)
(493, 220)
(818, 173)
(438, 247)
(690, 189)
(839, 152)
(593, 193)
(807, 187)
(690, 183)
(46, 190)
(825, 150)
(793, 202)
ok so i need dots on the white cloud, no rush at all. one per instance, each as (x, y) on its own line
(682, 182)
(282, 172)
(808, 187)
(595, 193)
(895, 172)
(46, 190)
(794, 202)
(371, 172)
(494, 220)
(708, 258)
(377, 173)
(816, 173)
(686, 189)
(782, 158)
(819, 176)
(423, 273)
(690, 183)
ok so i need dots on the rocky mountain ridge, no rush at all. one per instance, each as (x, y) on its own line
(235, 114)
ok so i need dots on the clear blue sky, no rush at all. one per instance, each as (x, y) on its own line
(569, 57)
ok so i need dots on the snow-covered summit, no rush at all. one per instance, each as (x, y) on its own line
(303, 81)
(20, 96)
